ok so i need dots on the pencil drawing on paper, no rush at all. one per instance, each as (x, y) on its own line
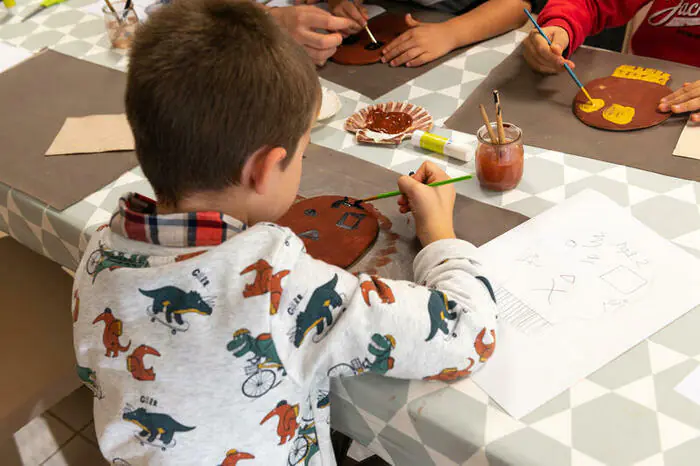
(624, 280)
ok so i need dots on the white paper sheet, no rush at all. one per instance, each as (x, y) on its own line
(689, 143)
(577, 286)
(10, 56)
(690, 386)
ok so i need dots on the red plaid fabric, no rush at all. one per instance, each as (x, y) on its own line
(137, 219)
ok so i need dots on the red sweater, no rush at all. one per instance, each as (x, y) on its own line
(671, 29)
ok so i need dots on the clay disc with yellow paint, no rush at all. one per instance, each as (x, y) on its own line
(621, 104)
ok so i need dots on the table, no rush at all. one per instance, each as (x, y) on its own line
(625, 413)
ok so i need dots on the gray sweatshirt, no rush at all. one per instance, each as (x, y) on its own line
(222, 354)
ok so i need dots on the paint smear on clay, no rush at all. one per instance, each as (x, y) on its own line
(592, 106)
(619, 114)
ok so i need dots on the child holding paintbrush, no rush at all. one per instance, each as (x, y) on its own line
(476, 20)
(670, 31)
(240, 326)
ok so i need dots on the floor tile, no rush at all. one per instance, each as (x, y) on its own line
(89, 433)
(78, 452)
(35, 442)
(75, 409)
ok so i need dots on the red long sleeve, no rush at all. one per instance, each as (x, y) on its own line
(583, 18)
(670, 31)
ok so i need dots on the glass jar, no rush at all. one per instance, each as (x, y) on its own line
(499, 167)
(121, 26)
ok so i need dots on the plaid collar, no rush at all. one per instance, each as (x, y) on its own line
(136, 219)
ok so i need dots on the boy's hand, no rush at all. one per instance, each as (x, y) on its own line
(351, 10)
(421, 44)
(545, 58)
(303, 22)
(685, 99)
(432, 208)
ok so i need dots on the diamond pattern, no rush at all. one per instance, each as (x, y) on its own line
(626, 413)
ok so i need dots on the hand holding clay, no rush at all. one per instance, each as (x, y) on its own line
(685, 99)
(421, 44)
(545, 58)
(303, 22)
(351, 10)
(433, 208)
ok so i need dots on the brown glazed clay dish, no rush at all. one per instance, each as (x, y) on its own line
(621, 104)
(332, 230)
(360, 50)
(388, 122)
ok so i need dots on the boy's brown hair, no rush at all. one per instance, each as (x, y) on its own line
(209, 83)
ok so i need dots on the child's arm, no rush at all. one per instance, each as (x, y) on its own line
(425, 42)
(331, 323)
(568, 23)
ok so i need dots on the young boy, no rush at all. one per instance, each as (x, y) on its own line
(207, 334)
(670, 30)
(477, 20)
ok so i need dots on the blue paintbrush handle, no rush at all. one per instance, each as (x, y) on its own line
(539, 29)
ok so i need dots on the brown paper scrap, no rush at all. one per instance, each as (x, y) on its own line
(689, 142)
(91, 134)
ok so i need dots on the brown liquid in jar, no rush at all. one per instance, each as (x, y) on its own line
(499, 168)
(388, 122)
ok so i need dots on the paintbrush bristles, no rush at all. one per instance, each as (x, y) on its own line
(499, 117)
(487, 122)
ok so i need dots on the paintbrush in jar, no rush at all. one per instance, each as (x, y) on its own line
(487, 122)
(499, 117)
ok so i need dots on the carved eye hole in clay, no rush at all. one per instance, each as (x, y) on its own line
(358, 218)
(310, 212)
(373, 46)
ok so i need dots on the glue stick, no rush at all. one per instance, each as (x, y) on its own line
(441, 145)
(9, 4)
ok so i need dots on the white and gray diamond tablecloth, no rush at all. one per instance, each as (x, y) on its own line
(627, 413)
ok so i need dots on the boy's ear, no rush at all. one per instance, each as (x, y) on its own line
(259, 169)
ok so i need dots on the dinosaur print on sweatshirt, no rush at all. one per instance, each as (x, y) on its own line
(287, 423)
(440, 311)
(112, 332)
(452, 373)
(233, 456)
(382, 289)
(174, 302)
(265, 282)
(154, 425)
(262, 348)
(318, 312)
(135, 364)
(485, 344)
(88, 377)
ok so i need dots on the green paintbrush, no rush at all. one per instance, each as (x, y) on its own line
(398, 193)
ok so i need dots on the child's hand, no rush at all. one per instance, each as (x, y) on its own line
(421, 44)
(303, 24)
(351, 10)
(432, 208)
(685, 99)
(544, 58)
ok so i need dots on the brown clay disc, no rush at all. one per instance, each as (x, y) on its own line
(338, 234)
(356, 50)
(620, 95)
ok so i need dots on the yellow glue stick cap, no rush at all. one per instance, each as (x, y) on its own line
(441, 145)
(9, 3)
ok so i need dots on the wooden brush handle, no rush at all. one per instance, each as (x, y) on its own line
(487, 122)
